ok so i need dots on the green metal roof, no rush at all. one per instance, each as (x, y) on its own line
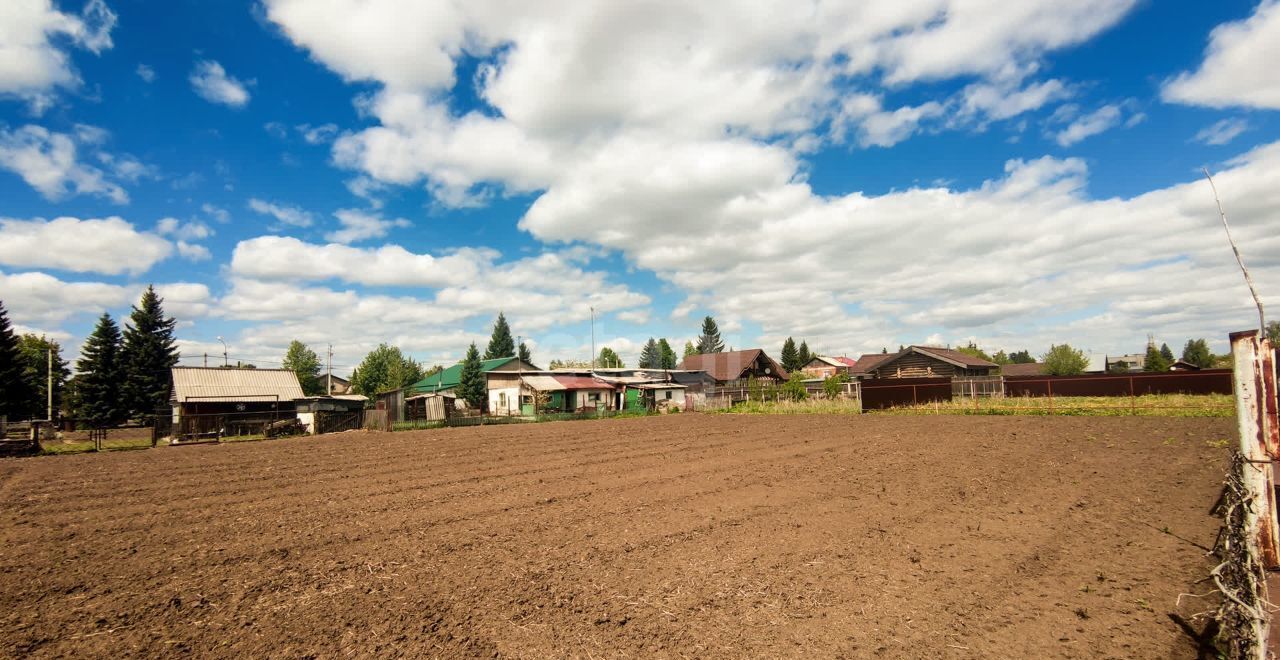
(452, 377)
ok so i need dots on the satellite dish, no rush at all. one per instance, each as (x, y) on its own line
(766, 370)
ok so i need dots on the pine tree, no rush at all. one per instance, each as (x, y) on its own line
(1155, 360)
(99, 377)
(609, 359)
(13, 388)
(524, 353)
(501, 344)
(1197, 352)
(1167, 354)
(34, 352)
(803, 355)
(690, 349)
(650, 357)
(668, 354)
(709, 341)
(472, 387)
(304, 362)
(148, 354)
(790, 356)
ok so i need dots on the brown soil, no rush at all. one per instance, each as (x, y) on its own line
(685, 535)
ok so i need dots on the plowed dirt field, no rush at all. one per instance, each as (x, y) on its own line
(677, 536)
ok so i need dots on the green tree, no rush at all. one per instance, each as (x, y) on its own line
(148, 353)
(1155, 360)
(1021, 357)
(1273, 332)
(794, 389)
(569, 364)
(690, 349)
(100, 375)
(709, 340)
(13, 388)
(833, 386)
(609, 359)
(972, 350)
(304, 362)
(384, 369)
(790, 356)
(472, 386)
(1062, 360)
(500, 342)
(650, 356)
(1197, 352)
(1167, 354)
(524, 354)
(803, 355)
(1001, 358)
(34, 353)
(667, 353)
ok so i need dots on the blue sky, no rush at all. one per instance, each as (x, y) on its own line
(860, 175)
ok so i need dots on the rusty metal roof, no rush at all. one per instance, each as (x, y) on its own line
(1026, 369)
(582, 383)
(870, 361)
(953, 356)
(234, 385)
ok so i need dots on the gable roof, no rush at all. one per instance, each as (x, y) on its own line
(730, 365)
(210, 384)
(452, 377)
(947, 355)
(832, 361)
(1027, 369)
(869, 361)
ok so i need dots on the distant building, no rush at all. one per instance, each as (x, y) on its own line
(340, 385)
(931, 361)
(825, 367)
(734, 368)
(1134, 362)
(1025, 369)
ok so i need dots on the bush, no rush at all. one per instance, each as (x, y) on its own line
(793, 389)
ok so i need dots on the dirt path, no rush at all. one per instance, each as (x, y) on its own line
(687, 535)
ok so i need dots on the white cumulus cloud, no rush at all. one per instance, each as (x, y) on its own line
(1237, 69)
(48, 162)
(289, 215)
(213, 84)
(110, 246)
(34, 35)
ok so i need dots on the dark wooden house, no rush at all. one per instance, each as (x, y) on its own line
(931, 362)
(734, 368)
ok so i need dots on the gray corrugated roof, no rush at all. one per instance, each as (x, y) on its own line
(234, 385)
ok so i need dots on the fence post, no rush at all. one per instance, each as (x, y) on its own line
(1133, 399)
(1254, 383)
(1049, 383)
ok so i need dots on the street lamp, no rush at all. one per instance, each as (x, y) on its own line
(224, 351)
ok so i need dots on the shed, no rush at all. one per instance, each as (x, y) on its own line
(227, 401)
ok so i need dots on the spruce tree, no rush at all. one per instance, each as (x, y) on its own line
(501, 344)
(709, 341)
(524, 353)
(472, 387)
(668, 354)
(13, 388)
(804, 356)
(99, 377)
(148, 354)
(304, 362)
(650, 357)
(34, 351)
(1155, 360)
(1166, 353)
(790, 356)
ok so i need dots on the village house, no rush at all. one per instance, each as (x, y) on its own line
(825, 367)
(735, 368)
(929, 362)
(502, 379)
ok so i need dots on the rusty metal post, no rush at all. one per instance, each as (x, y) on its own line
(1254, 383)
(1049, 382)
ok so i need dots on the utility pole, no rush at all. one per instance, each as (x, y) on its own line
(49, 387)
(206, 360)
(224, 351)
(593, 338)
(329, 387)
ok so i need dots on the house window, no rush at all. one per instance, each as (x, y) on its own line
(594, 396)
(502, 399)
(668, 395)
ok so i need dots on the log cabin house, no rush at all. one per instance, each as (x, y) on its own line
(929, 362)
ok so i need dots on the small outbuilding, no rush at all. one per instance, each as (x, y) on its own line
(220, 401)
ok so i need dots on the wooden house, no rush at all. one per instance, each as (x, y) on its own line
(930, 362)
(208, 400)
(822, 366)
(735, 368)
